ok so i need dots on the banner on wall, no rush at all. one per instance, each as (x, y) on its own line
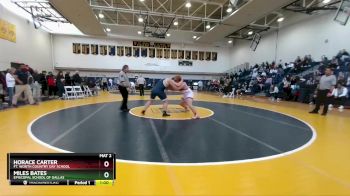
(185, 63)
(7, 31)
(151, 44)
(146, 50)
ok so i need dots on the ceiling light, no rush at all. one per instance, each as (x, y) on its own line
(326, 1)
(195, 36)
(140, 19)
(229, 8)
(208, 26)
(188, 4)
(168, 34)
(142, 0)
(280, 19)
(250, 33)
(139, 32)
(229, 41)
(176, 23)
(100, 15)
(108, 29)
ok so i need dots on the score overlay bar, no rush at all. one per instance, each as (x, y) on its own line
(61, 169)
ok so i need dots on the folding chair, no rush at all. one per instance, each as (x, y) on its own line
(87, 91)
(232, 94)
(69, 92)
(79, 93)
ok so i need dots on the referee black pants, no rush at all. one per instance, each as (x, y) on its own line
(125, 94)
(322, 99)
(142, 89)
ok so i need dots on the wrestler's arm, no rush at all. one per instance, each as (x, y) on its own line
(177, 86)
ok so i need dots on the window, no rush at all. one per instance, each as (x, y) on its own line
(128, 51)
(76, 48)
(166, 53)
(85, 48)
(136, 51)
(94, 49)
(152, 52)
(120, 50)
(144, 52)
(201, 56)
(208, 56)
(194, 55)
(103, 49)
(111, 50)
(188, 55)
(173, 54)
(180, 54)
(214, 56)
(159, 52)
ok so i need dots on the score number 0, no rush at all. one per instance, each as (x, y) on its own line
(106, 164)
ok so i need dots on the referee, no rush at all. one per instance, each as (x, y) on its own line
(124, 84)
(324, 91)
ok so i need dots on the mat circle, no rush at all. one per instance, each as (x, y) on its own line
(234, 134)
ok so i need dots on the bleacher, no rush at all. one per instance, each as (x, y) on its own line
(297, 76)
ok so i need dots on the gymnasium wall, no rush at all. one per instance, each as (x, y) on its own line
(114, 74)
(64, 57)
(315, 35)
(32, 46)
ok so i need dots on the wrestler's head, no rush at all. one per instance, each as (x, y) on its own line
(177, 78)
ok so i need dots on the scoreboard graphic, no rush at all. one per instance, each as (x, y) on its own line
(84, 169)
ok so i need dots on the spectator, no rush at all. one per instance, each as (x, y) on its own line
(77, 79)
(342, 55)
(313, 98)
(339, 96)
(274, 93)
(43, 83)
(22, 78)
(36, 87)
(268, 83)
(287, 88)
(310, 82)
(92, 86)
(200, 85)
(324, 60)
(104, 83)
(325, 89)
(10, 83)
(60, 84)
(2, 89)
(274, 70)
(255, 73)
(298, 62)
(132, 89)
(141, 84)
(110, 83)
(209, 83)
(51, 84)
(67, 79)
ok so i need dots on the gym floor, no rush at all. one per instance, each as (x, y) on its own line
(241, 146)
